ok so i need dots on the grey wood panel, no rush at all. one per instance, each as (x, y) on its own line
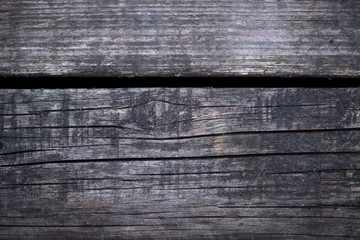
(180, 38)
(180, 163)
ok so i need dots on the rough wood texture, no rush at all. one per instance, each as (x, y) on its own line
(180, 164)
(171, 37)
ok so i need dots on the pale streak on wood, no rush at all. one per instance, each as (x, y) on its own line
(180, 164)
(180, 38)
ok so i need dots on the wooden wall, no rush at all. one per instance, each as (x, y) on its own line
(196, 163)
(180, 38)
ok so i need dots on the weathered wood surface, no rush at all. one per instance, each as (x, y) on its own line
(171, 37)
(180, 164)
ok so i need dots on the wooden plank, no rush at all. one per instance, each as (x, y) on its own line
(180, 38)
(180, 163)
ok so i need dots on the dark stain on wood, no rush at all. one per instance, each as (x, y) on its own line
(180, 163)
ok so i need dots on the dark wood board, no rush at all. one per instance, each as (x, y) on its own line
(196, 163)
(180, 38)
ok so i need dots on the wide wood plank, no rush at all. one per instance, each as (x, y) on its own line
(180, 163)
(180, 38)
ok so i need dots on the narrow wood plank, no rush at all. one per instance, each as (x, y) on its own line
(180, 38)
(180, 163)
